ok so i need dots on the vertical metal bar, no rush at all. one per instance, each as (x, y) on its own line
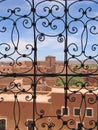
(35, 62)
(66, 60)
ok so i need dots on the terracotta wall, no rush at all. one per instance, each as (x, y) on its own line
(50, 108)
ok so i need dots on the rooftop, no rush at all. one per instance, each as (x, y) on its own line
(44, 97)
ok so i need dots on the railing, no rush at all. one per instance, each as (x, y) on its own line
(30, 30)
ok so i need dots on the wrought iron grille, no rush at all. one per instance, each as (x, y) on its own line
(30, 30)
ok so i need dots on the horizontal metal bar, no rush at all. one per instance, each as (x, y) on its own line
(47, 75)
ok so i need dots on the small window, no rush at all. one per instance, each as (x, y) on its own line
(76, 111)
(30, 123)
(80, 125)
(65, 111)
(2, 124)
(89, 112)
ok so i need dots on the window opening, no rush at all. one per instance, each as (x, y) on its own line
(77, 111)
(65, 111)
(30, 123)
(2, 124)
(89, 112)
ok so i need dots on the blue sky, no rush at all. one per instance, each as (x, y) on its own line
(50, 46)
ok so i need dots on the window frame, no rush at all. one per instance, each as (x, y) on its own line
(74, 111)
(27, 122)
(77, 122)
(1, 118)
(67, 111)
(89, 108)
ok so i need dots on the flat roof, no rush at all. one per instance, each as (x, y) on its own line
(71, 90)
(42, 98)
(24, 98)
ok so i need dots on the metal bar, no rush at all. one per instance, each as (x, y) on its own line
(46, 75)
(35, 61)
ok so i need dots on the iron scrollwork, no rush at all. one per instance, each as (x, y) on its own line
(25, 26)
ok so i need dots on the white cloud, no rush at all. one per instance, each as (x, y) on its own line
(50, 42)
(72, 39)
(23, 43)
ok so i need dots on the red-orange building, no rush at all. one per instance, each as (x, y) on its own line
(15, 110)
(81, 108)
